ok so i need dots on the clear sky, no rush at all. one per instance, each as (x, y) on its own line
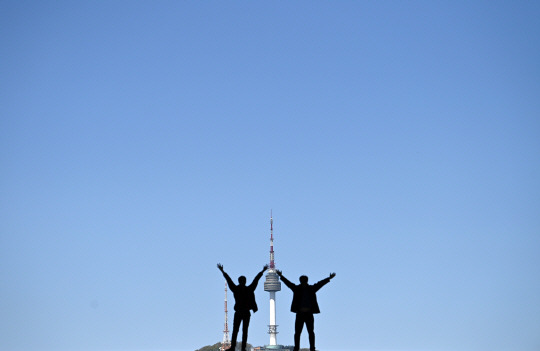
(397, 143)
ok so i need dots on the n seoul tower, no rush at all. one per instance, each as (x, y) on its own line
(272, 284)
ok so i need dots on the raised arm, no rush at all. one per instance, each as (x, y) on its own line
(257, 277)
(227, 278)
(285, 280)
(323, 282)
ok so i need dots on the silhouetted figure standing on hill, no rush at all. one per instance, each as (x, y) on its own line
(244, 298)
(304, 304)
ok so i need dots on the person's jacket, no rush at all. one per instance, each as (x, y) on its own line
(244, 296)
(304, 296)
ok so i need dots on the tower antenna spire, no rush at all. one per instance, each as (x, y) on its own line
(272, 264)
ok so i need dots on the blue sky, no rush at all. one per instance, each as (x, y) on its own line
(398, 144)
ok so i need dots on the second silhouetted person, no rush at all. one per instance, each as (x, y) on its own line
(304, 304)
(244, 298)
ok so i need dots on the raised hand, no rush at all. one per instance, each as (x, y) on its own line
(265, 267)
(332, 275)
(220, 267)
(278, 272)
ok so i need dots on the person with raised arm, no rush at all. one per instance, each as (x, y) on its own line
(244, 298)
(304, 304)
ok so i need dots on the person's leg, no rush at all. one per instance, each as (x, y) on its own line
(310, 326)
(245, 326)
(298, 325)
(236, 326)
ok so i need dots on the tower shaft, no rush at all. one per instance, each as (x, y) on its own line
(272, 327)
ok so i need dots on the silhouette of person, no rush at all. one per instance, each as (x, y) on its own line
(304, 304)
(244, 298)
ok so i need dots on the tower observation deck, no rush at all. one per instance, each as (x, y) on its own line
(272, 285)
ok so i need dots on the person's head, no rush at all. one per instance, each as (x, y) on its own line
(242, 280)
(303, 279)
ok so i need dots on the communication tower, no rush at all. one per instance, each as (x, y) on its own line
(226, 343)
(272, 284)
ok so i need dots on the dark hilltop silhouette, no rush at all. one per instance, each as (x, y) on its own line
(217, 347)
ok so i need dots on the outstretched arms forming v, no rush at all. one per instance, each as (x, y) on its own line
(232, 285)
(316, 286)
(259, 275)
